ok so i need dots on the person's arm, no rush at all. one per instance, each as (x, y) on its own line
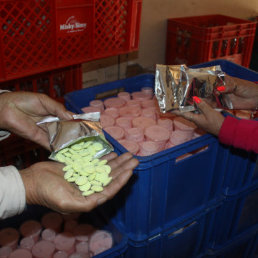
(240, 133)
(12, 192)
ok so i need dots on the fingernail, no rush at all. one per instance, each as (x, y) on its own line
(221, 88)
(196, 100)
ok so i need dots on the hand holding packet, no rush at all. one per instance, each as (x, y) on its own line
(175, 86)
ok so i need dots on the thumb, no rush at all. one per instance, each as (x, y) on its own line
(203, 106)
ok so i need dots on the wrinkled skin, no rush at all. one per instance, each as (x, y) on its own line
(45, 185)
(242, 93)
(20, 111)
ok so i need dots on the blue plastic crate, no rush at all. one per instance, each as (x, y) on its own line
(241, 167)
(36, 212)
(163, 191)
(237, 215)
(184, 240)
(243, 246)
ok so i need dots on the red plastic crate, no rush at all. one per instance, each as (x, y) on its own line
(193, 40)
(54, 83)
(38, 36)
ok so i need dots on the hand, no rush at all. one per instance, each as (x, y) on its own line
(45, 185)
(242, 93)
(209, 120)
(20, 111)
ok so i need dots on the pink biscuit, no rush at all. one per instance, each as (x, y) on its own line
(106, 121)
(134, 134)
(147, 90)
(133, 103)
(9, 237)
(73, 216)
(83, 231)
(5, 251)
(182, 124)
(157, 133)
(143, 122)
(124, 95)
(100, 241)
(132, 147)
(149, 112)
(82, 247)
(20, 253)
(113, 112)
(80, 255)
(179, 137)
(116, 132)
(43, 249)
(52, 220)
(48, 234)
(89, 109)
(69, 225)
(148, 148)
(124, 122)
(65, 241)
(128, 111)
(60, 254)
(114, 102)
(139, 95)
(166, 123)
(98, 104)
(27, 243)
(148, 103)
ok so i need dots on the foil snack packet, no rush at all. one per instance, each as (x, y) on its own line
(84, 127)
(175, 86)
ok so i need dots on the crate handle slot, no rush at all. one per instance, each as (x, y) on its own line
(109, 93)
(191, 153)
(181, 230)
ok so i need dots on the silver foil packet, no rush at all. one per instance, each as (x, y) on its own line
(85, 127)
(175, 86)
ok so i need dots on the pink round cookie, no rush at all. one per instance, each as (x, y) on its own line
(106, 121)
(27, 243)
(80, 255)
(69, 225)
(124, 95)
(114, 102)
(65, 241)
(43, 249)
(97, 103)
(5, 251)
(143, 122)
(48, 234)
(148, 148)
(82, 247)
(73, 216)
(166, 123)
(60, 254)
(139, 95)
(150, 113)
(182, 124)
(116, 132)
(147, 90)
(157, 134)
(52, 220)
(131, 146)
(9, 237)
(124, 122)
(128, 111)
(133, 103)
(21, 253)
(148, 103)
(100, 241)
(134, 134)
(89, 109)
(113, 112)
(83, 231)
(179, 137)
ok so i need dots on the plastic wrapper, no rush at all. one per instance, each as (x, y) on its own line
(84, 127)
(175, 86)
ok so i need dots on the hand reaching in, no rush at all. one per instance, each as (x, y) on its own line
(45, 185)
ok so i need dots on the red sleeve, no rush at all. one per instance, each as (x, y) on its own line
(240, 133)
